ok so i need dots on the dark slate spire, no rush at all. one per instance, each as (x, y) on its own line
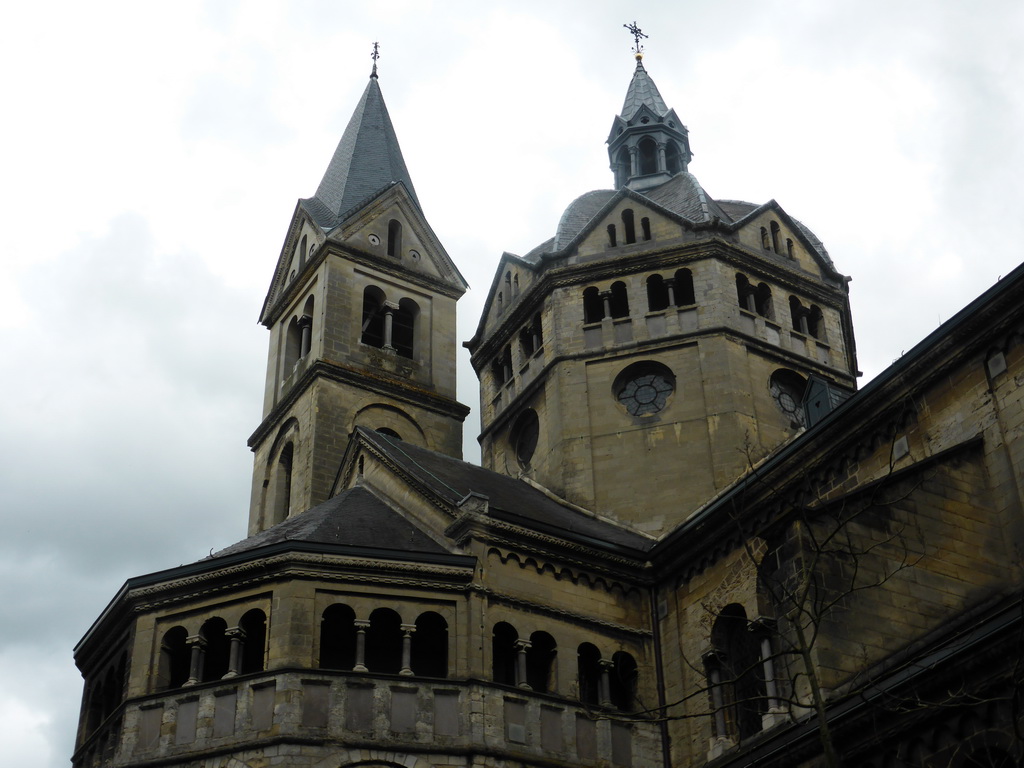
(648, 143)
(642, 90)
(367, 159)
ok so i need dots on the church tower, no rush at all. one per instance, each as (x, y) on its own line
(361, 313)
(662, 341)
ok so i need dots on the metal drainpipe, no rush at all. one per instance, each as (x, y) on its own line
(666, 743)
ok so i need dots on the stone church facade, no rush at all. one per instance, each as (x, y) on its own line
(692, 540)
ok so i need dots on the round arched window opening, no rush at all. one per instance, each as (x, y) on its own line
(389, 432)
(524, 435)
(787, 390)
(644, 389)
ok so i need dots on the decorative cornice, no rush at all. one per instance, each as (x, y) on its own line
(561, 613)
(403, 391)
(299, 566)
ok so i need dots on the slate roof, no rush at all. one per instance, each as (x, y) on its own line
(509, 499)
(578, 215)
(642, 90)
(367, 160)
(684, 195)
(353, 518)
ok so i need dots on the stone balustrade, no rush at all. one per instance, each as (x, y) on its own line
(318, 709)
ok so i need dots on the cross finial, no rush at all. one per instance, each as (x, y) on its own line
(634, 30)
(375, 55)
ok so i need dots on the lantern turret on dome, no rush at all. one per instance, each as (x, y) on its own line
(648, 143)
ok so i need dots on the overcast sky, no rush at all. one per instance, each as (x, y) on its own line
(152, 156)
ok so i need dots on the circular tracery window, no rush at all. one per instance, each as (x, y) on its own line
(525, 434)
(787, 390)
(643, 389)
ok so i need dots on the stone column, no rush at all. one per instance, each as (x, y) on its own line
(670, 284)
(237, 635)
(522, 646)
(633, 162)
(662, 163)
(407, 630)
(306, 328)
(197, 645)
(763, 629)
(713, 666)
(605, 689)
(389, 322)
(606, 298)
(361, 626)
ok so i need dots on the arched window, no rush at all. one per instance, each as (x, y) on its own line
(498, 371)
(588, 673)
(684, 288)
(611, 235)
(619, 300)
(403, 328)
(395, 238)
(292, 346)
(389, 432)
(645, 227)
(515, 285)
(282, 485)
(740, 681)
(776, 233)
(798, 314)
(540, 661)
(806, 320)
(527, 342)
(673, 159)
(647, 152)
(593, 306)
(384, 642)
(623, 168)
(763, 301)
(628, 226)
(429, 657)
(254, 644)
(789, 248)
(302, 253)
(657, 294)
(503, 653)
(306, 328)
(506, 363)
(373, 317)
(765, 243)
(815, 322)
(172, 671)
(217, 651)
(622, 687)
(745, 293)
(338, 638)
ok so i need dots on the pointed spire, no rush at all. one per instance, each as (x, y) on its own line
(648, 143)
(641, 91)
(368, 157)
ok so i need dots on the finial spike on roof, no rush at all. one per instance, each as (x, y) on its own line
(634, 30)
(375, 55)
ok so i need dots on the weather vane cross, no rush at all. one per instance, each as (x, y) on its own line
(634, 30)
(375, 55)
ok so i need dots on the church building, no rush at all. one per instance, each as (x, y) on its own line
(692, 540)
